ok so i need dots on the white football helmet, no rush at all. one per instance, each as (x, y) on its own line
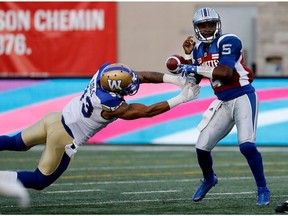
(119, 78)
(204, 15)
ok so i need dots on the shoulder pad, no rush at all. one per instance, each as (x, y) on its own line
(228, 37)
(109, 108)
(109, 101)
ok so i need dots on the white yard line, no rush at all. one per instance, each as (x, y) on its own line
(73, 191)
(211, 197)
(158, 181)
(152, 192)
(135, 167)
(144, 192)
(161, 166)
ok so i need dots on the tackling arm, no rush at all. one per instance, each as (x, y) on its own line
(150, 77)
(136, 110)
(157, 77)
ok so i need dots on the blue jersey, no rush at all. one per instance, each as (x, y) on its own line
(226, 50)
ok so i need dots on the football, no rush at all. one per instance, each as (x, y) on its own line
(173, 61)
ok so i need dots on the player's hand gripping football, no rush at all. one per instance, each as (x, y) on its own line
(186, 69)
(188, 45)
(188, 72)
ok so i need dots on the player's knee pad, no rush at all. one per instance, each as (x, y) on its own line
(248, 149)
(37, 180)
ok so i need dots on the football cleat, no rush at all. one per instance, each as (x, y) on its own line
(263, 196)
(204, 188)
(282, 208)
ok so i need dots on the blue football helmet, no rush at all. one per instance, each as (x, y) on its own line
(120, 79)
(204, 15)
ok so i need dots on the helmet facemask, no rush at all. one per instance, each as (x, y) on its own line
(205, 15)
(132, 88)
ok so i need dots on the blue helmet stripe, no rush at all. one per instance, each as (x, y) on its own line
(118, 68)
(205, 12)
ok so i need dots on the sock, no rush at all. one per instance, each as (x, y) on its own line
(254, 159)
(39, 181)
(35, 180)
(14, 143)
(205, 162)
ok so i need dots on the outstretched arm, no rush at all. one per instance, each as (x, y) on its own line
(157, 77)
(136, 110)
(150, 77)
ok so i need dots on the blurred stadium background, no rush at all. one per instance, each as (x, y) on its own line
(49, 50)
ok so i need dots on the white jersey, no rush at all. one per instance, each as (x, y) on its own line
(82, 115)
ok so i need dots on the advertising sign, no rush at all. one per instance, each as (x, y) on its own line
(56, 39)
(24, 102)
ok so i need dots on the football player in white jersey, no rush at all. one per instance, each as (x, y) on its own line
(219, 57)
(101, 103)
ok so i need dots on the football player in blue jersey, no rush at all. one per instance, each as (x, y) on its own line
(219, 57)
(101, 103)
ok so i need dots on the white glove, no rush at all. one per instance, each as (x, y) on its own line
(191, 80)
(179, 80)
(188, 93)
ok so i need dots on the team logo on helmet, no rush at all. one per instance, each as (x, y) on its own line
(114, 84)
